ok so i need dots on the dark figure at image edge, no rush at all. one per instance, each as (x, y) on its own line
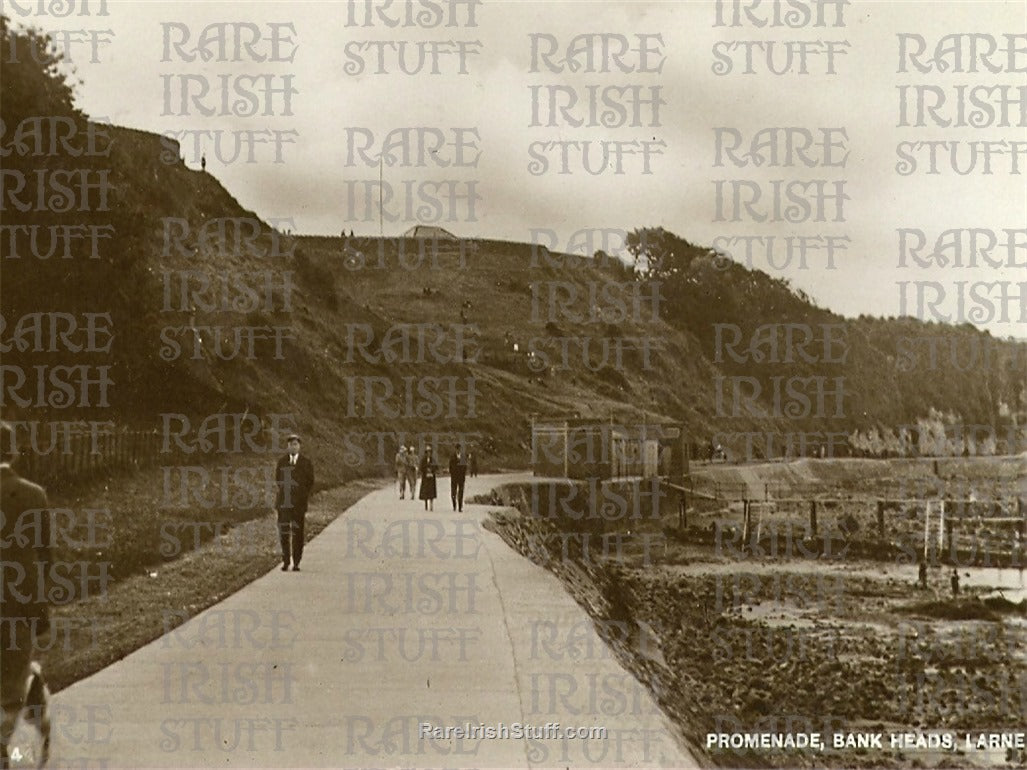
(428, 471)
(23, 691)
(457, 478)
(294, 478)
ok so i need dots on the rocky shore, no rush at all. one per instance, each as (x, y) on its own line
(790, 646)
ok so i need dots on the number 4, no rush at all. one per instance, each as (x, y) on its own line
(18, 756)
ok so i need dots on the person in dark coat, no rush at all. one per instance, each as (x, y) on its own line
(294, 477)
(24, 605)
(457, 478)
(429, 470)
(472, 464)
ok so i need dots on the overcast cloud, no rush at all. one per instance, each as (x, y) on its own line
(313, 183)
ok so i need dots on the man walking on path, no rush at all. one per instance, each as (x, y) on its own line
(401, 472)
(294, 477)
(457, 477)
(411, 470)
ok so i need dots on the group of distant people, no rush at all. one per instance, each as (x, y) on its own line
(294, 481)
(409, 469)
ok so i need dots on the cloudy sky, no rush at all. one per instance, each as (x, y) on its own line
(696, 67)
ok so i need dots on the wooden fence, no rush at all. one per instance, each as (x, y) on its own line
(58, 456)
(995, 525)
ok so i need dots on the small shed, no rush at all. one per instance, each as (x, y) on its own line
(584, 447)
(429, 232)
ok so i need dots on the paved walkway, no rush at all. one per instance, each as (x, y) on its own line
(400, 621)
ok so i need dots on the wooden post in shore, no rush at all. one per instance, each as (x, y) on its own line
(745, 524)
(813, 517)
(566, 449)
(880, 519)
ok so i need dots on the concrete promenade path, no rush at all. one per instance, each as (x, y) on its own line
(400, 622)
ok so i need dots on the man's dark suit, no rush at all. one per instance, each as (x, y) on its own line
(457, 477)
(294, 483)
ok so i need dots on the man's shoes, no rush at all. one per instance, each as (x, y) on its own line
(285, 568)
(295, 567)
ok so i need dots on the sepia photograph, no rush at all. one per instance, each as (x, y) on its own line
(513, 384)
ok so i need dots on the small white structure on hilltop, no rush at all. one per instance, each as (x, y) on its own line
(429, 232)
(439, 241)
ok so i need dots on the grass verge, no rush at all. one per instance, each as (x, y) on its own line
(100, 629)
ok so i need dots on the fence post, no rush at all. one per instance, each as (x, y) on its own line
(813, 517)
(745, 524)
(880, 518)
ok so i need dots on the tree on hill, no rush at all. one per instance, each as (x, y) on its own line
(702, 288)
(660, 254)
(34, 80)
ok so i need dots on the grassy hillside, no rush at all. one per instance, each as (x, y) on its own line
(213, 311)
(312, 303)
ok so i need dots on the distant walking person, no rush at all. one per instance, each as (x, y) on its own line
(294, 477)
(472, 464)
(429, 470)
(923, 573)
(203, 162)
(955, 582)
(457, 478)
(401, 472)
(412, 470)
